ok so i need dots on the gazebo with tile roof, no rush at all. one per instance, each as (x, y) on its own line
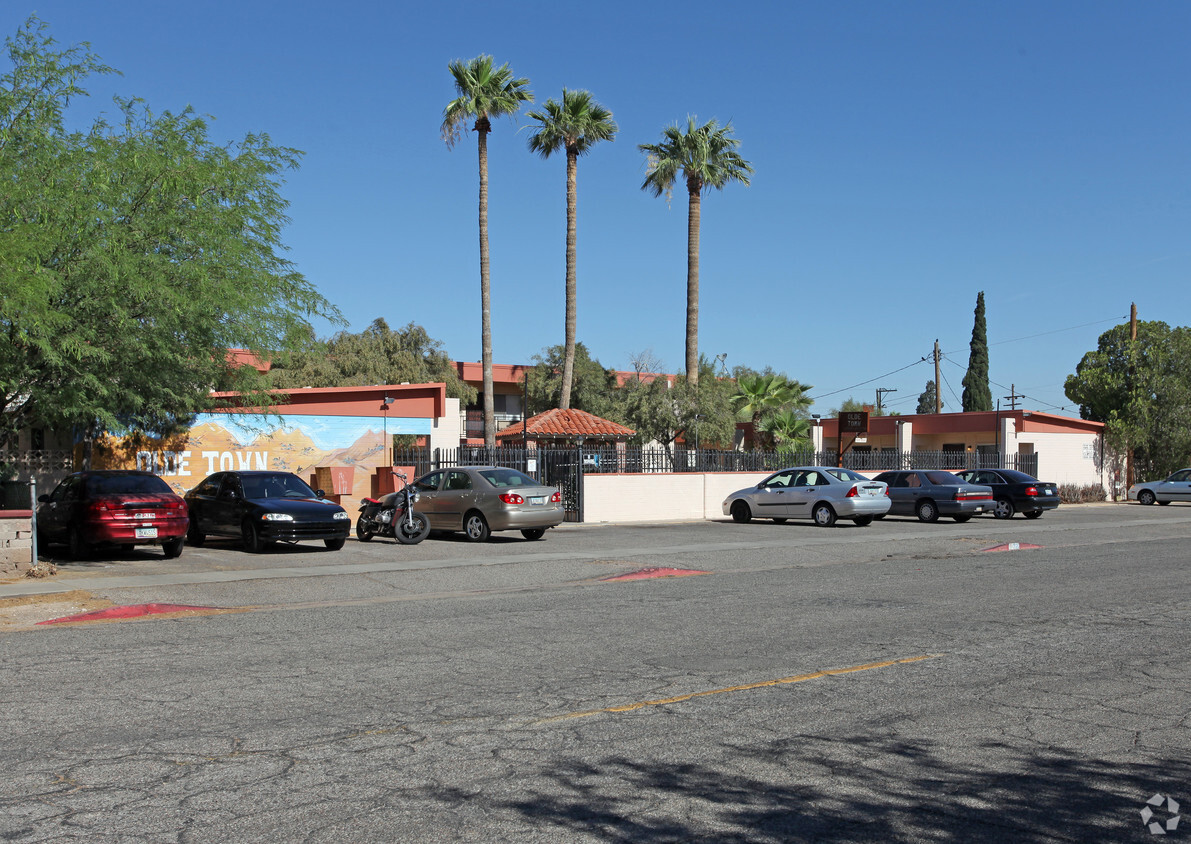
(570, 427)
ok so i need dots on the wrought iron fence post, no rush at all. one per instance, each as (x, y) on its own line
(33, 519)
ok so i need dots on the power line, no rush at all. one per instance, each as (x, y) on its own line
(1057, 331)
(1034, 399)
(869, 381)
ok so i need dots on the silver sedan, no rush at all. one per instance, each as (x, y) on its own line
(480, 499)
(821, 493)
(1175, 488)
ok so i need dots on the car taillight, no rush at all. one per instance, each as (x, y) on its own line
(98, 507)
(1031, 490)
(556, 498)
(511, 498)
(852, 493)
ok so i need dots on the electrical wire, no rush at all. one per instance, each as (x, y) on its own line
(869, 381)
(1034, 399)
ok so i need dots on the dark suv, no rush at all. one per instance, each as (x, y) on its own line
(929, 493)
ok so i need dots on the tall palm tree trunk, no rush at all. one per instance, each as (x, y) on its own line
(568, 360)
(692, 287)
(486, 293)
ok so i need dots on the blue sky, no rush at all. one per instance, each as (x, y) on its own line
(907, 156)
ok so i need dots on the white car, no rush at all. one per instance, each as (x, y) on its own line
(1175, 488)
(822, 493)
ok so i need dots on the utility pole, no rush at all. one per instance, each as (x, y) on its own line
(881, 391)
(938, 382)
(1012, 397)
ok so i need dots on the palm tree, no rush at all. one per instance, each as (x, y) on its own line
(484, 92)
(576, 124)
(706, 157)
(761, 396)
(790, 432)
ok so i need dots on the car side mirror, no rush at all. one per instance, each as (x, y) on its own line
(43, 498)
(318, 493)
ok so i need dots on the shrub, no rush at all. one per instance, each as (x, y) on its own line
(1074, 494)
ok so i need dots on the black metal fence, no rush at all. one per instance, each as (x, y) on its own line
(565, 467)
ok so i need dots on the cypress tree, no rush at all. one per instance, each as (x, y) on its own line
(926, 399)
(977, 395)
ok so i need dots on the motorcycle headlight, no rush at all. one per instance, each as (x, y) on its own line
(341, 515)
(413, 495)
(277, 517)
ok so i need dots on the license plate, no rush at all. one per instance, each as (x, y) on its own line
(872, 490)
(143, 516)
(537, 499)
(146, 533)
(979, 509)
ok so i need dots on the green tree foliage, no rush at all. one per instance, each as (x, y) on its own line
(977, 395)
(704, 157)
(850, 405)
(574, 125)
(133, 255)
(377, 355)
(789, 430)
(661, 412)
(926, 399)
(592, 386)
(1141, 391)
(759, 397)
(484, 91)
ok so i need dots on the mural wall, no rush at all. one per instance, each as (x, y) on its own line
(300, 444)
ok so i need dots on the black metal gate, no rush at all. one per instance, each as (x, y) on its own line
(558, 467)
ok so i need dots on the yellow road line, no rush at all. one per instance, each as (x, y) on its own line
(798, 678)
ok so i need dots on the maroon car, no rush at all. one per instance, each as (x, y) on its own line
(116, 507)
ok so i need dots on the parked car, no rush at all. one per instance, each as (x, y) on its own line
(1175, 488)
(1015, 492)
(928, 494)
(118, 507)
(822, 493)
(480, 499)
(263, 508)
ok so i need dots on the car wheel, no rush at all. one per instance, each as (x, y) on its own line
(961, 519)
(362, 533)
(863, 521)
(1003, 508)
(412, 535)
(79, 549)
(823, 515)
(1146, 497)
(334, 544)
(251, 537)
(1033, 514)
(741, 512)
(927, 511)
(194, 536)
(173, 547)
(475, 526)
(534, 534)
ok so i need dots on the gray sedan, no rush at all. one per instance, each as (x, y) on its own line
(480, 499)
(1175, 488)
(822, 493)
(929, 493)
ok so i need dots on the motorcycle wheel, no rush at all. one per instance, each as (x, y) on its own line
(408, 534)
(363, 532)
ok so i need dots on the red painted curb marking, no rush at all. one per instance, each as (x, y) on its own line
(1013, 546)
(130, 611)
(643, 574)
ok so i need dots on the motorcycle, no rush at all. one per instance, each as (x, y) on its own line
(393, 515)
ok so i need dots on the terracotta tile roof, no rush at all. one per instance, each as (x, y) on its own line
(567, 423)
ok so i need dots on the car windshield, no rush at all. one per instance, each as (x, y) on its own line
(507, 478)
(846, 475)
(1015, 477)
(944, 479)
(281, 485)
(124, 484)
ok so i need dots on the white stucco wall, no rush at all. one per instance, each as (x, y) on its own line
(447, 431)
(1064, 458)
(661, 497)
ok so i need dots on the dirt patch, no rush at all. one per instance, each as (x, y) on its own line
(27, 610)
